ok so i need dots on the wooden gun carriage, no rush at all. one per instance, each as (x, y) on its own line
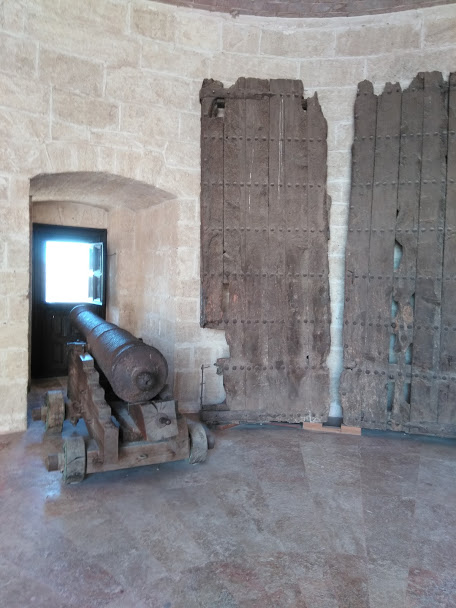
(117, 385)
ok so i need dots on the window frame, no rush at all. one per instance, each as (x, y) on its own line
(41, 233)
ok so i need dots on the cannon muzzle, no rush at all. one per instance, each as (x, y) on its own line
(136, 372)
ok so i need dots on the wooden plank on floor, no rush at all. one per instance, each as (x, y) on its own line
(320, 428)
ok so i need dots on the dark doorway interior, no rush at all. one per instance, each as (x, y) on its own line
(69, 268)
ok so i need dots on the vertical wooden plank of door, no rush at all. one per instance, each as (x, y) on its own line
(447, 390)
(256, 250)
(292, 184)
(277, 303)
(234, 249)
(406, 248)
(357, 252)
(297, 181)
(426, 340)
(383, 219)
(318, 299)
(211, 213)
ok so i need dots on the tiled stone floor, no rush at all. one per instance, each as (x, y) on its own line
(276, 518)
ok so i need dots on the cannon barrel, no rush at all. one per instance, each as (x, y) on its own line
(135, 371)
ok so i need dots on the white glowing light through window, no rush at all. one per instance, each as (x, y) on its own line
(68, 271)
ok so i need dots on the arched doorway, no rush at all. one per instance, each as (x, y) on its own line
(68, 268)
(84, 214)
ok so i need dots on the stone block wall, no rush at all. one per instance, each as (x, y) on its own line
(112, 85)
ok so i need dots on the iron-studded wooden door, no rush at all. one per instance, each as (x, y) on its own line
(264, 248)
(400, 282)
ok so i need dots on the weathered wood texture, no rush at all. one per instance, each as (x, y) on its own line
(264, 248)
(400, 280)
(150, 432)
(141, 453)
(88, 398)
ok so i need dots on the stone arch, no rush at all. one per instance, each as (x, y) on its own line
(96, 188)
(94, 199)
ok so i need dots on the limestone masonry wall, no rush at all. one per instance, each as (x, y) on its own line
(112, 86)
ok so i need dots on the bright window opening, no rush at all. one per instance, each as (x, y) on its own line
(73, 272)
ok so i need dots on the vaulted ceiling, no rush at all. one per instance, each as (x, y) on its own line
(307, 8)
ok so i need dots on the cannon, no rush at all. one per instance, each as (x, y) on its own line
(135, 371)
(117, 385)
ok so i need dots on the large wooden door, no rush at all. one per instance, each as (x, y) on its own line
(400, 282)
(51, 327)
(264, 248)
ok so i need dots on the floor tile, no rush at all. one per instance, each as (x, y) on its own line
(275, 518)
